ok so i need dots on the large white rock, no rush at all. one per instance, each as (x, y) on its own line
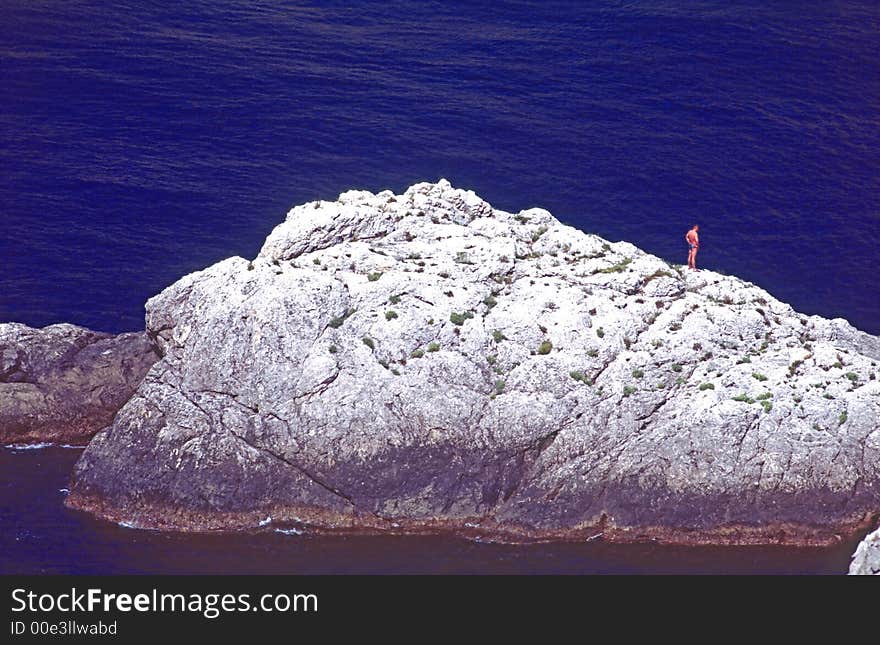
(424, 361)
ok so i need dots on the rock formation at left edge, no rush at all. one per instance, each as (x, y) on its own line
(63, 383)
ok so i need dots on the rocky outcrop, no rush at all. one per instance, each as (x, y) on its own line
(425, 362)
(866, 559)
(63, 383)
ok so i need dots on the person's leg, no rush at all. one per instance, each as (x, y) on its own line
(691, 258)
(695, 259)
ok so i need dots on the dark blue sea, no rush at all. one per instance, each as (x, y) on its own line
(140, 141)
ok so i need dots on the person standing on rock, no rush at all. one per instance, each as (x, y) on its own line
(693, 240)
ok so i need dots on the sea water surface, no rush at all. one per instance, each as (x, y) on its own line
(140, 141)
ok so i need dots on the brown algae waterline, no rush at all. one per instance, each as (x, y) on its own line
(42, 536)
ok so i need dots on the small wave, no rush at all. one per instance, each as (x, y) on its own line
(290, 531)
(489, 539)
(28, 446)
(64, 491)
(265, 522)
(70, 445)
(126, 525)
